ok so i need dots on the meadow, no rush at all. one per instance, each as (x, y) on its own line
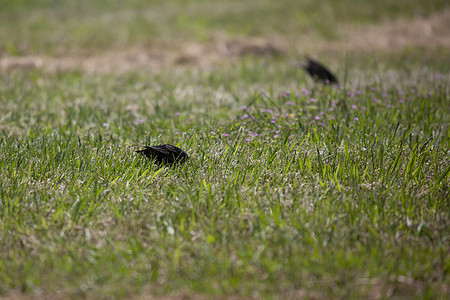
(293, 189)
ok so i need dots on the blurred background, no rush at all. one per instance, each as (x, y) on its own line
(140, 33)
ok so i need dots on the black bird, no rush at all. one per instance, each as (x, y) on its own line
(164, 154)
(318, 72)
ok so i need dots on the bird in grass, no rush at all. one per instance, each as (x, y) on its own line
(164, 154)
(318, 72)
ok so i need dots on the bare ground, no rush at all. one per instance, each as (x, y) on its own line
(433, 31)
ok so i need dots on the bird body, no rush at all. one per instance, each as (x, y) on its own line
(318, 72)
(164, 154)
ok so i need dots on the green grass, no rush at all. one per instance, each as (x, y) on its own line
(292, 189)
(62, 27)
(322, 205)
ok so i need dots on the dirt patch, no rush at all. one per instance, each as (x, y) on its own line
(150, 58)
(433, 31)
(145, 295)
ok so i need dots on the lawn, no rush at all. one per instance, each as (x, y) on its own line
(293, 189)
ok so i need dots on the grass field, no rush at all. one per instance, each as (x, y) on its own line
(292, 190)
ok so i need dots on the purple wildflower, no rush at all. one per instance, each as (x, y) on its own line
(285, 94)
